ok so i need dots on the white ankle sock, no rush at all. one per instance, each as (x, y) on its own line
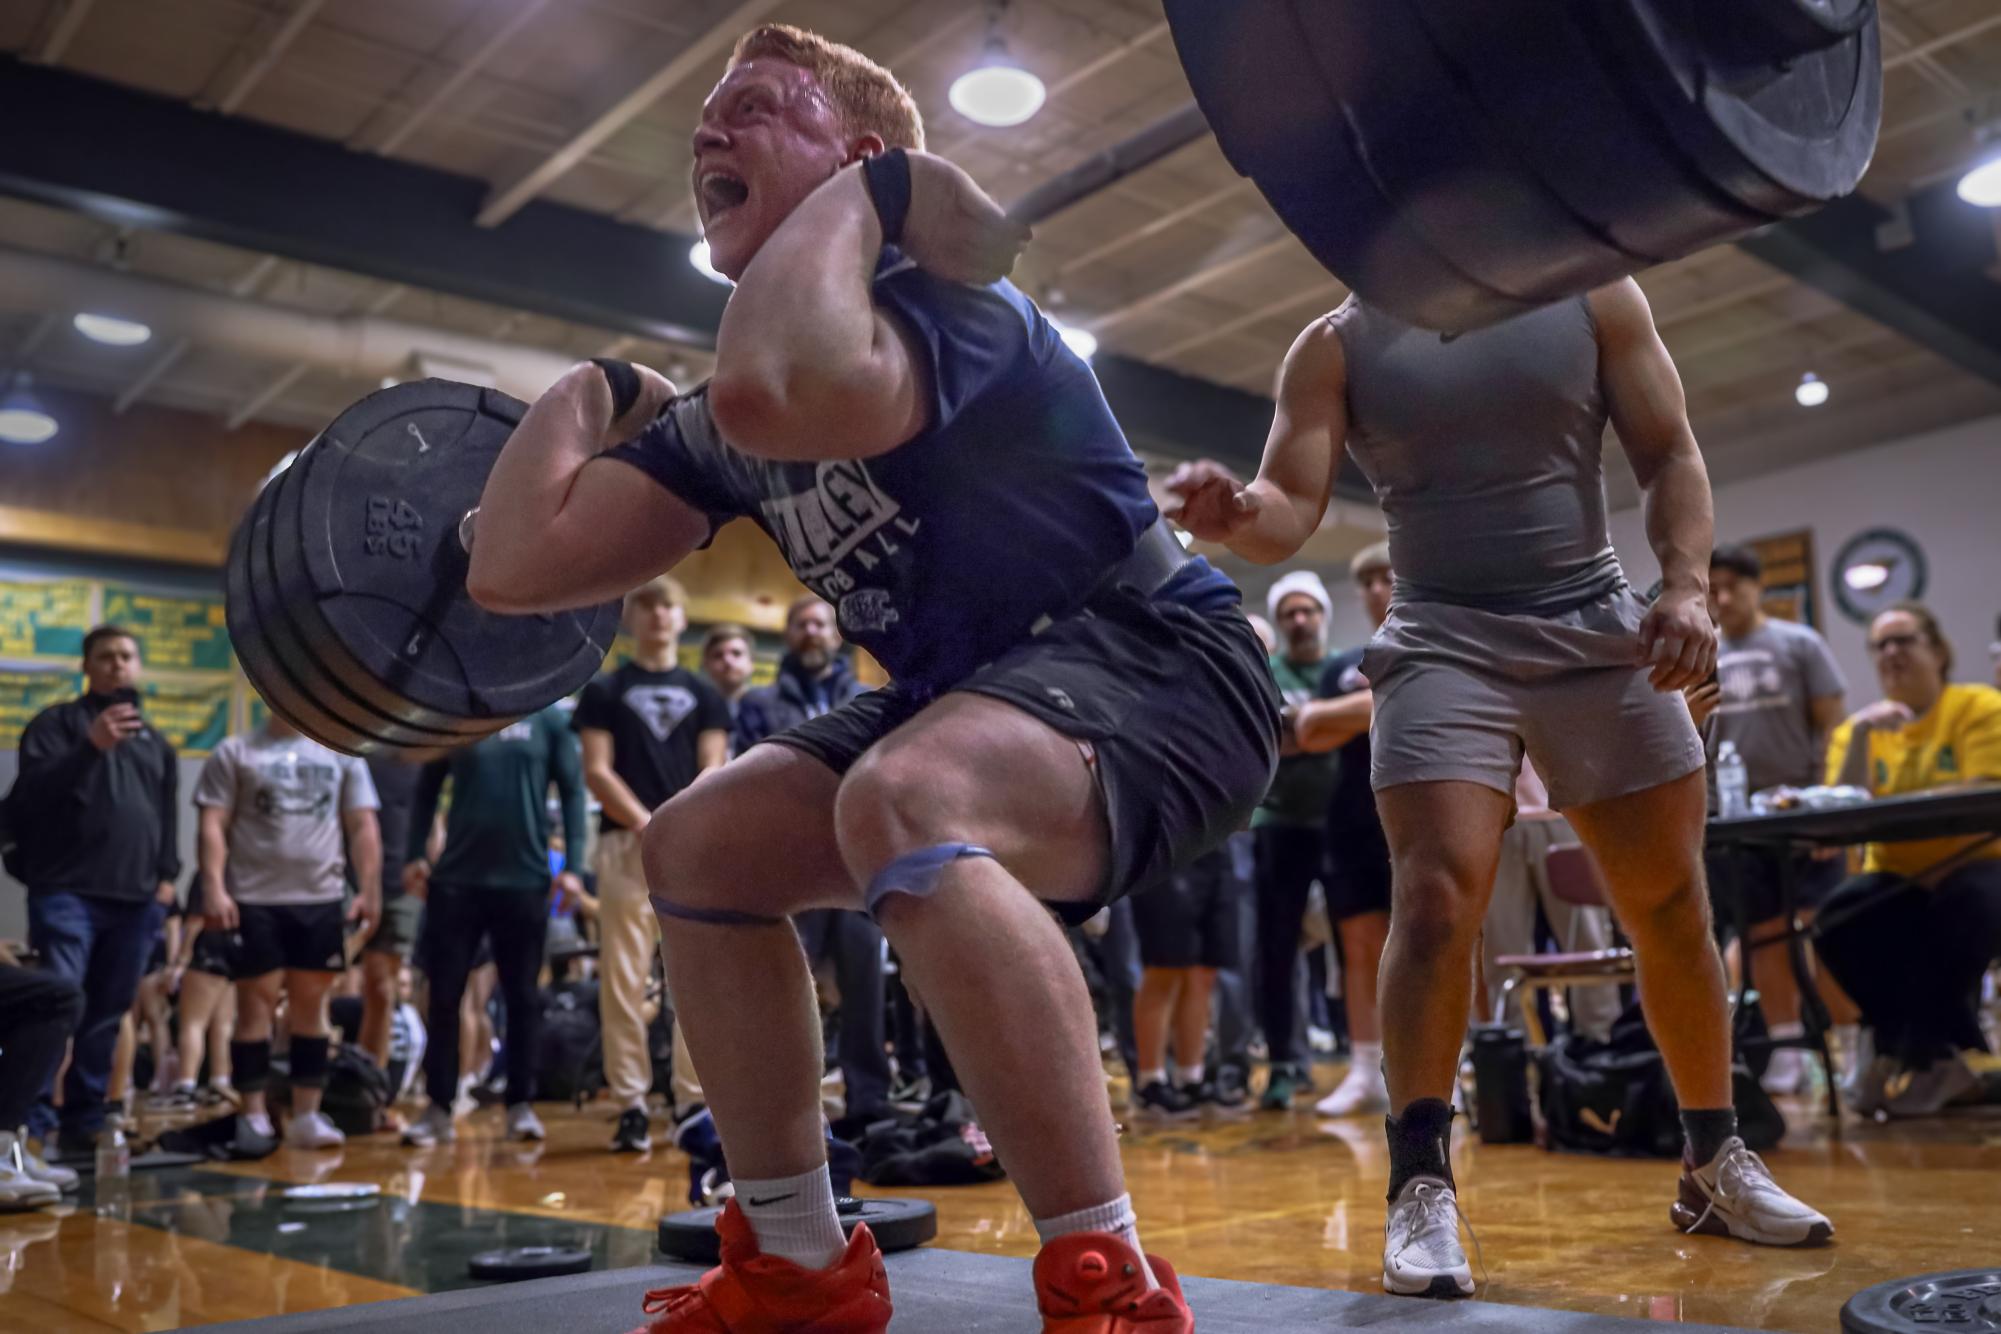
(1147, 1077)
(794, 1217)
(260, 1122)
(1116, 1218)
(1188, 1075)
(1367, 1063)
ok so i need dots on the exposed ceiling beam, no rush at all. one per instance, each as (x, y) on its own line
(1152, 227)
(1191, 282)
(1934, 289)
(265, 397)
(268, 55)
(1931, 46)
(1332, 290)
(171, 355)
(61, 31)
(523, 13)
(507, 199)
(132, 158)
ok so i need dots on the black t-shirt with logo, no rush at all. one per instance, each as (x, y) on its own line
(654, 719)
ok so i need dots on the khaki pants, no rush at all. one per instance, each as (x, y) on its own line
(628, 939)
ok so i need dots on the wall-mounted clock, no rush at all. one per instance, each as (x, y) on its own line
(1874, 569)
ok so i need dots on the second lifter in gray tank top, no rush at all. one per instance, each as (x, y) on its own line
(1485, 452)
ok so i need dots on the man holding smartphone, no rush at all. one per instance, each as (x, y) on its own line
(96, 819)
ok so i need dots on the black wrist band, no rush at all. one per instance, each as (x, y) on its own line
(888, 177)
(624, 383)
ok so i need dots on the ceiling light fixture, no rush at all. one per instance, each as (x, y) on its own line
(997, 92)
(698, 255)
(1081, 341)
(23, 419)
(1981, 186)
(111, 330)
(1812, 391)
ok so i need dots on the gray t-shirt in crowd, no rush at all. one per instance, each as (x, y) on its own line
(285, 796)
(1768, 680)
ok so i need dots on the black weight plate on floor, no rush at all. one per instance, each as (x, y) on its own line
(1433, 153)
(1537, 80)
(897, 1224)
(1293, 140)
(287, 565)
(1782, 139)
(281, 634)
(379, 511)
(1964, 1299)
(253, 651)
(515, 1263)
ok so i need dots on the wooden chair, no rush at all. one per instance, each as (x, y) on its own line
(1573, 877)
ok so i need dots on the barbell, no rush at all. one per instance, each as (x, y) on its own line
(1455, 162)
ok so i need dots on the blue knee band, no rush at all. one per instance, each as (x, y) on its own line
(916, 873)
(711, 916)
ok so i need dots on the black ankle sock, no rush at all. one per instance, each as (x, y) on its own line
(251, 1064)
(1420, 1143)
(309, 1061)
(1707, 1132)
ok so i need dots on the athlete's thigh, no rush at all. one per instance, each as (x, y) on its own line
(1647, 843)
(755, 836)
(974, 769)
(1444, 836)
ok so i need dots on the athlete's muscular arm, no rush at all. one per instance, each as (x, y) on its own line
(1644, 395)
(556, 529)
(806, 365)
(1270, 519)
(1329, 724)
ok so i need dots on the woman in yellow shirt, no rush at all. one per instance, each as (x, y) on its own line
(1914, 956)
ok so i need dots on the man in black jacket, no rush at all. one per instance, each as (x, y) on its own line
(97, 819)
(813, 678)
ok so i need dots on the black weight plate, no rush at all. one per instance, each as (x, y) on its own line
(1781, 138)
(514, 1263)
(379, 512)
(1964, 1299)
(1537, 80)
(897, 1225)
(1432, 151)
(296, 659)
(1294, 141)
(287, 566)
(260, 665)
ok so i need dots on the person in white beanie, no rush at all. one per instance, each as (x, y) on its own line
(1289, 829)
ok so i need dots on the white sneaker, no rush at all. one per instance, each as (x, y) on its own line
(1735, 1196)
(523, 1124)
(14, 1150)
(1422, 1256)
(19, 1191)
(433, 1127)
(1362, 1091)
(1930, 1091)
(1787, 1072)
(313, 1131)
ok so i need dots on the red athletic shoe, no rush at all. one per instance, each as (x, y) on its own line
(1090, 1283)
(754, 1293)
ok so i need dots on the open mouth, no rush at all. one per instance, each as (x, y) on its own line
(720, 191)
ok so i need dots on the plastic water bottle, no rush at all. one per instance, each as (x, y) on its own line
(114, 1174)
(1733, 785)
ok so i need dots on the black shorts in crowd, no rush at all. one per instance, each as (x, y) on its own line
(1357, 878)
(1752, 875)
(306, 937)
(211, 952)
(1190, 919)
(1177, 706)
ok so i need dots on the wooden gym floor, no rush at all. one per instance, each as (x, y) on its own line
(1286, 1199)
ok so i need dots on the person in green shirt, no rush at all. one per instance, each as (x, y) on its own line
(492, 879)
(1290, 833)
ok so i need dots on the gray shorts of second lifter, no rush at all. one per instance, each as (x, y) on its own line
(1461, 693)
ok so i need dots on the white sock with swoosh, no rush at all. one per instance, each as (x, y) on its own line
(794, 1217)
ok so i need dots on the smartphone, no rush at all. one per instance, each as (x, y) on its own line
(125, 695)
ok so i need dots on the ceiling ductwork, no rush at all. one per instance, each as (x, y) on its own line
(367, 348)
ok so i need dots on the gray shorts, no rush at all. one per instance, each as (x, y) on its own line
(1461, 693)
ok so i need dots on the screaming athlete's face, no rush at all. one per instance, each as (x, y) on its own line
(768, 138)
